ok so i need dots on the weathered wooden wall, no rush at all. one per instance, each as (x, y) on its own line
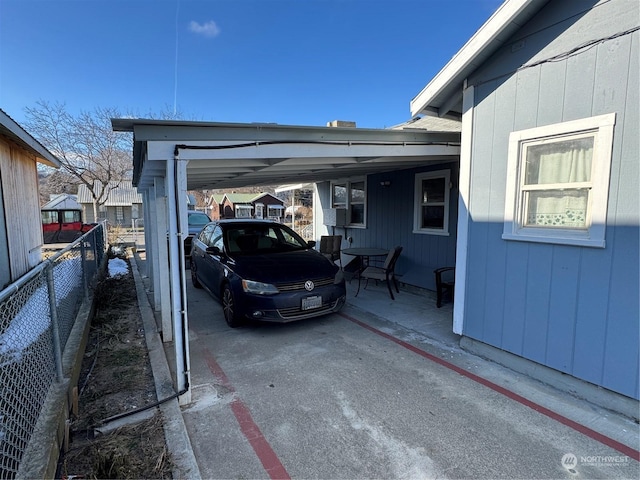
(18, 174)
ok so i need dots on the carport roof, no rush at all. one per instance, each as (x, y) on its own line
(233, 155)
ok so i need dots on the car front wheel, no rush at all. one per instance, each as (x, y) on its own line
(194, 277)
(229, 308)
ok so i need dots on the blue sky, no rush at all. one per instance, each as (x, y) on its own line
(293, 62)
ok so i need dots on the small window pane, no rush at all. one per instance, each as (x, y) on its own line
(71, 216)
(339, 195)
(433, 217)
(357, 192)
(557, 208)
(433, 190)
(559, 162)
(49, 217)
(357, 213)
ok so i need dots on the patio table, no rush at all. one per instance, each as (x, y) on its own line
(364, 253)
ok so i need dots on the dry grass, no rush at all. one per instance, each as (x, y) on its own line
(116, 378)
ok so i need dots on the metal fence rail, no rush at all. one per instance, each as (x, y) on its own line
(37, 314)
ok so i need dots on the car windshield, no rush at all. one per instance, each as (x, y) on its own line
(198, 219)
(246, 239)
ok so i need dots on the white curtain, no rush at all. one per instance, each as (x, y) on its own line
(559, 165)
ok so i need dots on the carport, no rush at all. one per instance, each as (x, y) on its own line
(171, 157)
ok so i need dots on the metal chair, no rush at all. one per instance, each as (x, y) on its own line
(444, 285)
(385, 273)
(330, 246)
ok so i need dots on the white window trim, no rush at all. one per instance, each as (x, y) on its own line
(417, 204)
(274, 211)
(244, 208)
(594, 233)
(347, 183)
(259, 210)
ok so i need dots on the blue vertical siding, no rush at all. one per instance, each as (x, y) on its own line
(515, 293)
(574, 309)
(537, 315)
(390, 213)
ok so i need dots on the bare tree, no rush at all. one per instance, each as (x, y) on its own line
(86, 145)
(53, 181)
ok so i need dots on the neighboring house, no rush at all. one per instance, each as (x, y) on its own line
(548, 228)
(20, 225)
(214, 206)
(251, 205)
(122, 206)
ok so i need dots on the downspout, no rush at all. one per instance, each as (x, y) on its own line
(176, 267)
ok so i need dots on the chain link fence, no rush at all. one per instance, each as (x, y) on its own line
(37, 314)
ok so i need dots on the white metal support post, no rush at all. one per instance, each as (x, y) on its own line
(161, 259)
(176, 193)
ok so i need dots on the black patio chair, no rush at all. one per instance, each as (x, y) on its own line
(445, 284)
(385, 273)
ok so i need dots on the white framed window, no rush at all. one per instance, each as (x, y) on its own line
(558, 182)
(274, 212)
(431, 202)
(259, 210)
(243, 211)
(352, 196)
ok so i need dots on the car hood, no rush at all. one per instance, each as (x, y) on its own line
(285, 267)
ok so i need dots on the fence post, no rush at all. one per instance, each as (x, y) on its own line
(83, 261)
(55, 330)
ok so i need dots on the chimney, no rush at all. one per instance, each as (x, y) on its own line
(341, 123)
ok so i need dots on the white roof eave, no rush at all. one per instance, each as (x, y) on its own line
(495, 31)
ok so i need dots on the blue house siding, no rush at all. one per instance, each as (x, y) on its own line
(390, 222)
(574, 309)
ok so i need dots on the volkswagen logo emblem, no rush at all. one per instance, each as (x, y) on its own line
(308, 285)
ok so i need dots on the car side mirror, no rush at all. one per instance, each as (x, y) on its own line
(213, 251)
(311, 243)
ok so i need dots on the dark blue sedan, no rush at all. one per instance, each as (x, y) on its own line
(263, 270)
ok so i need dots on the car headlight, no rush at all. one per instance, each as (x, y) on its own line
(259, 288)
(339, 277)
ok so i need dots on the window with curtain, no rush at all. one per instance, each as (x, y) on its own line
(557, 182)
(431, 209)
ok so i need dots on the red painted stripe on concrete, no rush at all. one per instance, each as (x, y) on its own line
(265, 453)
(248, 426)
(610, 442)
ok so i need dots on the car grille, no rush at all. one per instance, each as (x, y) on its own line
(289, 287)
(298, 313)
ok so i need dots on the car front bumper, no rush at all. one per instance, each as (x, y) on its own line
(287, 307)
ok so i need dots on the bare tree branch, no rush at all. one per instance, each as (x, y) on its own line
(86, 145)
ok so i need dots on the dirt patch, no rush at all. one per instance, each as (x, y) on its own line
(116, 377)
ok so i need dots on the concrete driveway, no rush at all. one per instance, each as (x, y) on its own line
(381, 390)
